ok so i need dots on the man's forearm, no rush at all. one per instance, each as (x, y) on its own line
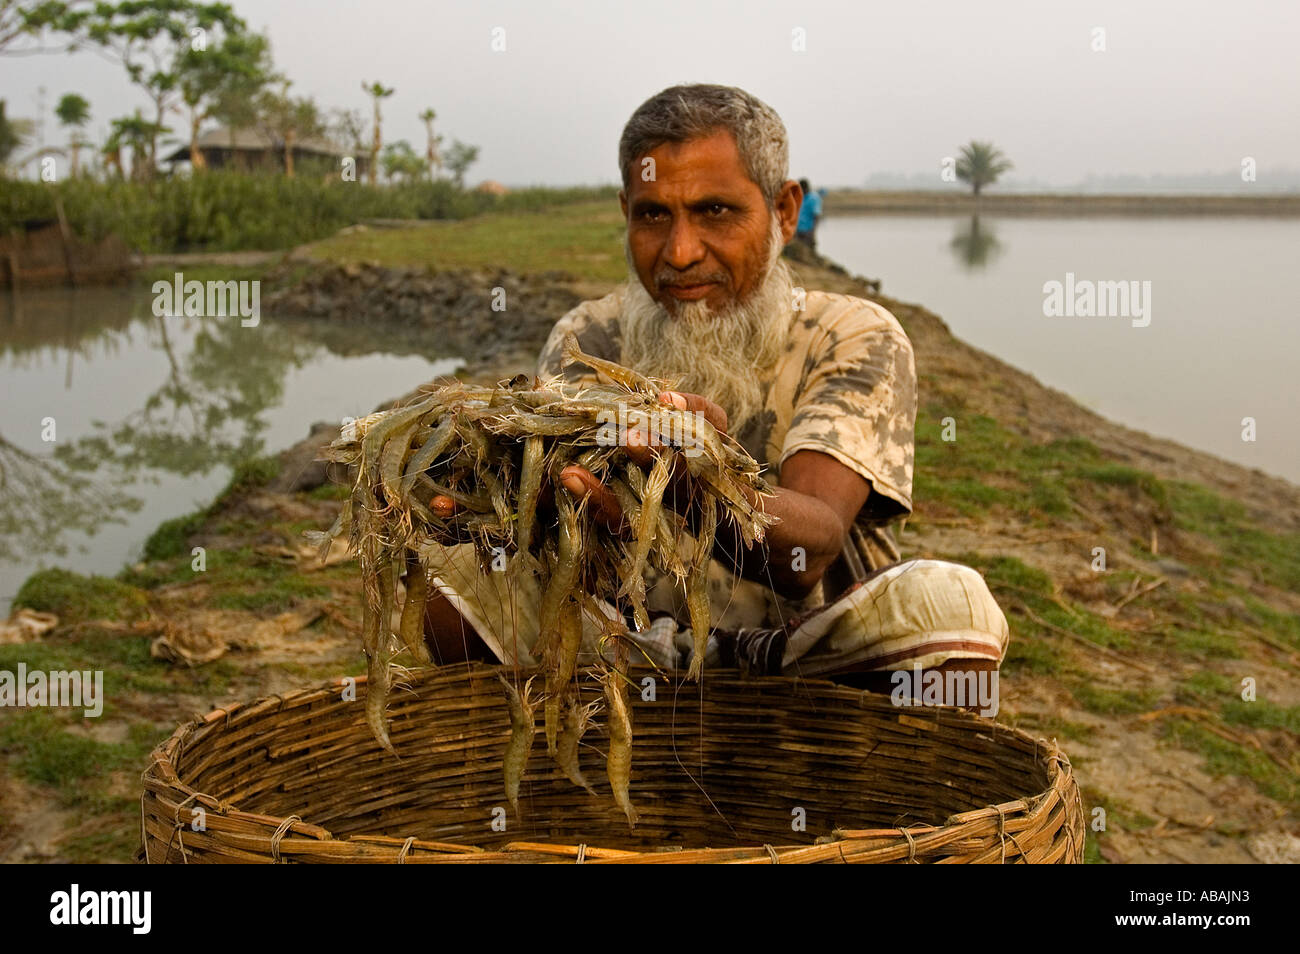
(796, 550)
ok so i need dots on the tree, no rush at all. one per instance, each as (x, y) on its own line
(431, 150)
(288, 119)
(348, 126)
(459, 158)
(139, 135)
(401, 162)
(27, 20)
(150, 38)
(376, 92)
(223, 82)
(74, 111)
(980, 164)
(13, 133)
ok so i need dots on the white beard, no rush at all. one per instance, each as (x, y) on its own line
(720, 356)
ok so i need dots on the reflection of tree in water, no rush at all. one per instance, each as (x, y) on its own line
(41, 499)
(207, 413)
(975, 245)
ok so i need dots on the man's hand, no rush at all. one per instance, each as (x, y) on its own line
(581, 482)
(604, 505)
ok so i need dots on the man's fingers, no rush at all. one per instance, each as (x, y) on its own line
(600, 499)
(695, 403)
(443, 506)
(638, 448)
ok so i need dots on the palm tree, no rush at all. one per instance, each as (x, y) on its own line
(13, 133)
(981, 164)
(74, 111)
(376, 91)
(431, 152)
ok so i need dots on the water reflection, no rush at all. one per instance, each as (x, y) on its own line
(975, 245)
(152, 414)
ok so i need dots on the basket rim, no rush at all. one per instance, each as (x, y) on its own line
(296, 835)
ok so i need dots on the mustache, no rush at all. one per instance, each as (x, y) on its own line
(671, 276)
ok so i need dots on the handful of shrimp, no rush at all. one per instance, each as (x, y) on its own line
(496, 452)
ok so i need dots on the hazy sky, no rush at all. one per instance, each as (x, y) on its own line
(1181, 88)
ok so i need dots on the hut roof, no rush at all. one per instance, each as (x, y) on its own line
(252, 139)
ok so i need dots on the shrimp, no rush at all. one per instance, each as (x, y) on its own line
(576, 721)
(376, 622)
(391, 459)
(323, 540)
(520, 746)
(565, 575)
(530, 485)
(377, 434)
(417, 595)
(558, 679)
(632, 380)
(437, 443)
(697, 584)
(618, 764)
(648, 519)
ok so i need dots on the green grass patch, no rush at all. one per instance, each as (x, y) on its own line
(1205, 689)
(329, 491)
(75, 598)
(243, 579)
(1114, 702)
(1270, 558)
(1204, 643)
(1051, 726)
(1262, 714)
(1224, 757)
(583, 239)
(1283, 626)
(1117, 475)
(42, 751)
(1013, 581)
(171, 538)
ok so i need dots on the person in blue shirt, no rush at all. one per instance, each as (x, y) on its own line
(810, 213)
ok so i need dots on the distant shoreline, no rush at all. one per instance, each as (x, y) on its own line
(864, 202)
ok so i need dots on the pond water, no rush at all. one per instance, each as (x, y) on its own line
(1210, 341)
(116, 420)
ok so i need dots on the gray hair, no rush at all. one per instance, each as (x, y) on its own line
(683, 113)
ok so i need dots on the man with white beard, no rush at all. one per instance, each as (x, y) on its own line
(818, 387)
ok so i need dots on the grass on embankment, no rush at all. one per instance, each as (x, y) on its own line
(584, 239)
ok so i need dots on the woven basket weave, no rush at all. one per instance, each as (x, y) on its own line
(726, 776)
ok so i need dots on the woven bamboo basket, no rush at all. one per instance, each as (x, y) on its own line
(770, 770)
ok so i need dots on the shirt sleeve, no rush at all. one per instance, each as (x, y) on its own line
(595, 325)
(857, 403)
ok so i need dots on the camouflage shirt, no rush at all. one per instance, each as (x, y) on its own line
(846, 386)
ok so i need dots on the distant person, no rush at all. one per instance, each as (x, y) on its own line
(810, 213)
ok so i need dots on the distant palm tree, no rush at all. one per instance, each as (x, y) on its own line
(431, 152)
(376, 92)
(74, 111)
(981, 164)
(13, 133)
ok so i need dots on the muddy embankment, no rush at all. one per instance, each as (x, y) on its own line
(494, 320)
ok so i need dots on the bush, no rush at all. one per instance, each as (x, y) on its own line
(223, 210)
(74, 597)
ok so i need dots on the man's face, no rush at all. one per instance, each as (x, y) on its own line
(699, 230)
